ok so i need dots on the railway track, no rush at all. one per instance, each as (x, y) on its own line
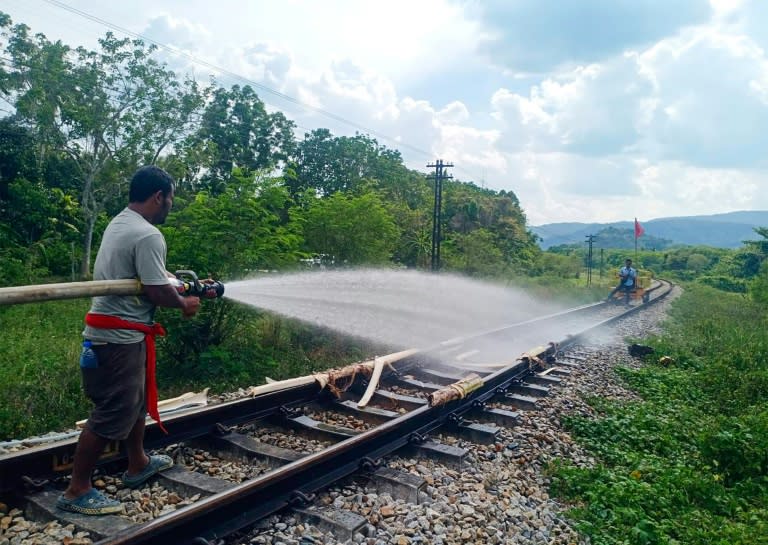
(281, 448)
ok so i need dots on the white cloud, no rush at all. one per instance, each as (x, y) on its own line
(627, 108)
(537, 36)
(593, 110)
(555, 188)
(671, 188)
(455, 112)
(710, 100)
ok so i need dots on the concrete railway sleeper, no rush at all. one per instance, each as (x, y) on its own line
(238, 462)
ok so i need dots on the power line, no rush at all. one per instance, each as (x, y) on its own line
(235, 75)
(253, 83)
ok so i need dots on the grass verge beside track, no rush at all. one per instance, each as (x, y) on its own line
(688, 464)
(225, 347)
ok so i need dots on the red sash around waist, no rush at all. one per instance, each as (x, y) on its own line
(104, 321)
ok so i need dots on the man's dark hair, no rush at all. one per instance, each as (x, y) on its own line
(147, 181)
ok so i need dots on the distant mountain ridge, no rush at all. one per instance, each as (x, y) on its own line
(726, 230)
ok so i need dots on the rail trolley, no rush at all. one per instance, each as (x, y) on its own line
(639, 292)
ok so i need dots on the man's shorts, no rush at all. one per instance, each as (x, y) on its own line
(116, 388)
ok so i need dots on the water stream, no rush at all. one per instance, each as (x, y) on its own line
(399, 308)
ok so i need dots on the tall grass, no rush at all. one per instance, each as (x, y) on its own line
(689, 463)
(225, 347)
(39, 373)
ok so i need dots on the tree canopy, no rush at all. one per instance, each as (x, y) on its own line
(250, 195)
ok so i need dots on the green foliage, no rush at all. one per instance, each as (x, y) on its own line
(355, 230)
(38, 368)
(106, 111)
(758, 289)
(697, 262)
(474, 253)
(741, 264)
(236, 134)
(39, 224)
(329, 164)
(688, 462)
(226, 347)
(759, 246)
(560, 265)
(737, 446)
(415, 244)
(17, 154)
(218, 346)
(724, 283)
(477, 219)
(239, 230)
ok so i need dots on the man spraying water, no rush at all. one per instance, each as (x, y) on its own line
(118, 359)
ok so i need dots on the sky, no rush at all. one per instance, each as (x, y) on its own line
(588, 110)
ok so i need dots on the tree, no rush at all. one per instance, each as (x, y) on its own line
(475, 253)
(354, 229)
(108, 111)
(329, 164)
(237, 231)
(236, 132)
(37, 230)
(468, 208)
(758, 288)
(560, 265)
(697, 262)
(760, 247)
(17, 153)
(415, 243)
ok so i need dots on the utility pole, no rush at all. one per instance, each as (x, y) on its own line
(590, 241)
(602, 250)
(440, 175)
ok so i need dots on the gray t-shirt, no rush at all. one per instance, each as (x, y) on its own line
(131, 248)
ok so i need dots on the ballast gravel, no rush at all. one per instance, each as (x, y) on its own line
(499, 495)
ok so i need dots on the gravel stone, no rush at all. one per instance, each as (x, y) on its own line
(500, 496)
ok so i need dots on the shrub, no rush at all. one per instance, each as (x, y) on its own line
(724, 283)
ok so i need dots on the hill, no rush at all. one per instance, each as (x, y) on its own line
(727, 230)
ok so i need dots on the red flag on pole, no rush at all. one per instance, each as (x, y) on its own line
(638, 229)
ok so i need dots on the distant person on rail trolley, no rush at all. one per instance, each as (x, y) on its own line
(118, 360)
(627, 280)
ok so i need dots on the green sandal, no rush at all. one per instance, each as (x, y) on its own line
(156, 464)
(92, 502)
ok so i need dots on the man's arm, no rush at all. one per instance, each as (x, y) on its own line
(150, 266)
(167, 296)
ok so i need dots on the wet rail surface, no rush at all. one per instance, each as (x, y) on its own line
(292, 443)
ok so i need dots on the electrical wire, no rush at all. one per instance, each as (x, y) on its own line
(248, 81)
(236, 76)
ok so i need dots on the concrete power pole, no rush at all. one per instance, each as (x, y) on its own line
(440, 175)
(590, 241)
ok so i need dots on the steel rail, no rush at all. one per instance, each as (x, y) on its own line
(46, 461)
(212, 517)
(292, 484)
